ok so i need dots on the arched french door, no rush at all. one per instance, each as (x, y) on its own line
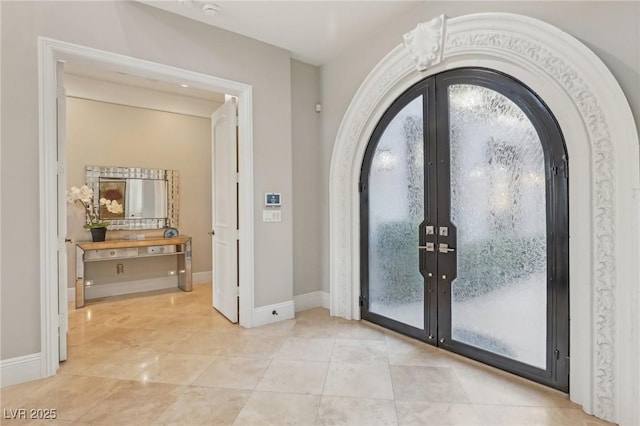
(464, 223)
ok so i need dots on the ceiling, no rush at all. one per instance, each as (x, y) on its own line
(313, 31)
(93, 83)
(126, 80)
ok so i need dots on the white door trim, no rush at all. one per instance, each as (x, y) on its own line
(49, 53)
(604, 183)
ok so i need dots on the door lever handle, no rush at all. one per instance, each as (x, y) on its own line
(428, 247)
(444, 248)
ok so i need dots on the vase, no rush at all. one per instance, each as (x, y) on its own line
(98, 234)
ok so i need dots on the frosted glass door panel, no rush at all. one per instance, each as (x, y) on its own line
(396, 209)
(498, 204)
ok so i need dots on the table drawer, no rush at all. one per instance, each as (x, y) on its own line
(167, 249)
(110, 253)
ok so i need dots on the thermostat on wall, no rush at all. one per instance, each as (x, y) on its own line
(272, 199)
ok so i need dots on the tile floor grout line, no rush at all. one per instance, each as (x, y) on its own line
(393, 388)
(324, 382)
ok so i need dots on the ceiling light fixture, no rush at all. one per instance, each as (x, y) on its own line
(210, 9)
(184, 85)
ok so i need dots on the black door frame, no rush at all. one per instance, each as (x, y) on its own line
(433, 265)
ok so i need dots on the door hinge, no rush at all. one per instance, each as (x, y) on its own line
(237, 177)
(236, 121)
(361, 187)
(238, 291)
(60, 167)
(557, 354)
(568, 359)
(562, 169)
(360, 300)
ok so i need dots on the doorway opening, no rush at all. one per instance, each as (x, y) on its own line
(134, 125)
(53, 204)
(464, 230)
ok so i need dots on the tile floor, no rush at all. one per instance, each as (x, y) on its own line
(170, 359)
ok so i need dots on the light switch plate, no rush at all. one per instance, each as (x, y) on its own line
(271, 216)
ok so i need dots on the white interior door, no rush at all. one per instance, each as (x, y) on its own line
(62, 216)
(225, 210)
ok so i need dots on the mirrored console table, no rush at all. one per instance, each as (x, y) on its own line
(130, 249)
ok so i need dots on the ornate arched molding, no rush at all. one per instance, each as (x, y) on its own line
(604, 193)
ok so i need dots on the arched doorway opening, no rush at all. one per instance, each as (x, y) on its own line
(602, 142)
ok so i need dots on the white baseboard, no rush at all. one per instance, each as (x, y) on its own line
(315, 299)
(202, 277)
(19, 370)
(198, 278)
(264, 315)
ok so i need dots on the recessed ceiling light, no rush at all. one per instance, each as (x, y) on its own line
(210, 9)
(184, 85)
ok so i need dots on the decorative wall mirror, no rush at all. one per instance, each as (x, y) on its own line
(149, 196)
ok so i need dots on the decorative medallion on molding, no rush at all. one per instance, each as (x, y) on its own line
(425, 42)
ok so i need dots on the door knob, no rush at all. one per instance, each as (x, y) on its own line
(212, 232)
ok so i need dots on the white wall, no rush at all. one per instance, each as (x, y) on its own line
(136, 30)
(611, 29)
(307, 216)
(0, 164)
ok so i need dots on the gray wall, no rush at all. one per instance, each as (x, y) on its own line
(136, 30)
(611, 29)
(307, 168)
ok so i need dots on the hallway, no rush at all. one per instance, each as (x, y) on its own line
(169, 358)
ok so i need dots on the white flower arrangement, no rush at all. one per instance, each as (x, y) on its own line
(84, 195)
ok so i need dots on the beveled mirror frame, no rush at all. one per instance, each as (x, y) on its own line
(94, 173)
